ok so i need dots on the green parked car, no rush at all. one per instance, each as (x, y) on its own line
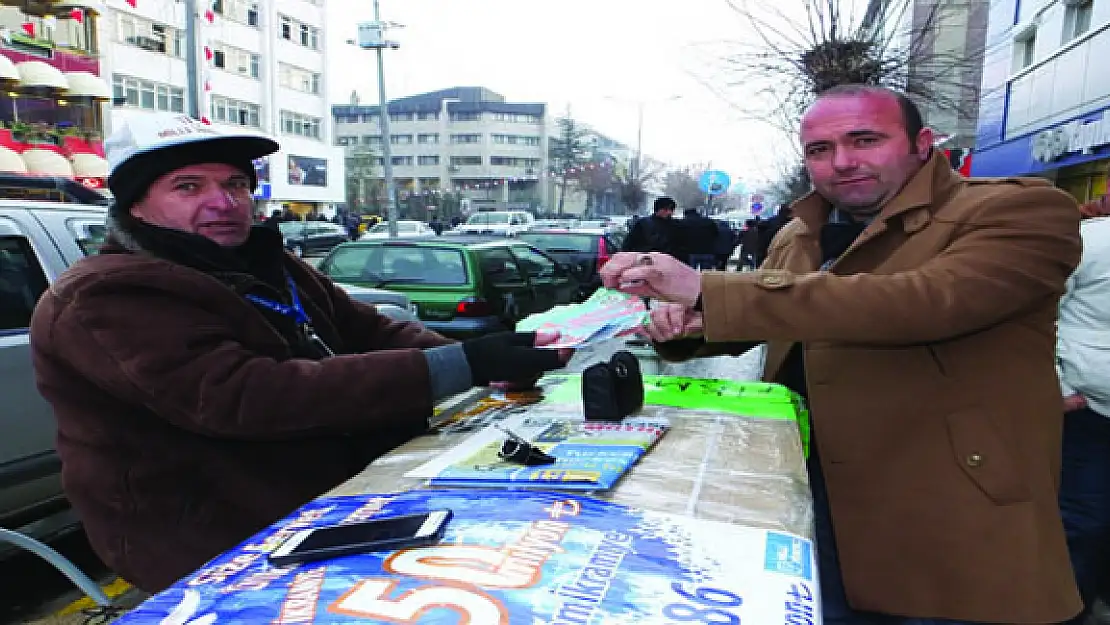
(461, 286)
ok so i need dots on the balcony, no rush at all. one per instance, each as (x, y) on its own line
(61, 33)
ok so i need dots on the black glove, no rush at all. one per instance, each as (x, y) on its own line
(508, 357)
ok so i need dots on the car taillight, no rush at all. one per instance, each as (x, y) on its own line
(602, 254)
(473, 307)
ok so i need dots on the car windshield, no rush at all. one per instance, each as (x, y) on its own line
(488, 218)
(380, 228)
(555, 242)
(380, 265)
(291, 227)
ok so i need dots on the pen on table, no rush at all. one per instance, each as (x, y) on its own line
(643, 260)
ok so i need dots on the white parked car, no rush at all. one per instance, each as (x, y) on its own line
(502, 223)
(405, 228)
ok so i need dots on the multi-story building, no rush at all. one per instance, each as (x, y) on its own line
(51, 109)
(1045, 103)
(466, 140)
(262, 65)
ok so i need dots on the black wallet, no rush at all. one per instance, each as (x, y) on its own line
(612, 390)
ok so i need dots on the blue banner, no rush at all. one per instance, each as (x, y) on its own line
(512, 558)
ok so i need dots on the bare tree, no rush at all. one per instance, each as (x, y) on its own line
(682, 186)
(793, 184)
(787, 61)
(632, 184)
(569, 153)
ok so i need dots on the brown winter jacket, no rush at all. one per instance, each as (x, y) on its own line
(929, 352)
(186, 421)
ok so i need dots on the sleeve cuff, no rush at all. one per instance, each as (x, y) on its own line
(448, 371)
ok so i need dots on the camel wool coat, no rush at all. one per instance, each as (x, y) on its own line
(929, 352)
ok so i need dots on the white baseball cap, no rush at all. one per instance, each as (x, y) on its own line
(153, 132)
(148, 146)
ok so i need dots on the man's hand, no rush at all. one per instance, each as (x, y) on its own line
(542, 338)
(669, 321)
(654, 275)
(1074, 402)
(508, 356)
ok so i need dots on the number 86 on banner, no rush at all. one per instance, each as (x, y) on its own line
(704, 604)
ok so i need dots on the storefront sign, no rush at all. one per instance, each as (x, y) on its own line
(308, 171)
(1078, 136)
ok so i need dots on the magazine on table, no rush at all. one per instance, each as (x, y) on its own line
(589, 455)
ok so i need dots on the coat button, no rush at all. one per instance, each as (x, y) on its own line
(974, 460)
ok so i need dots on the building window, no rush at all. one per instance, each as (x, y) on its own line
(234, 112)
(471, 138)
(300, 33)
(427, 117)
(236, 60)
(346, 140)
(1025, 50)
(402, 161)
(400, 139)
(242, 11)
(428, 160)
(369, 118)
(519, 118)
(514, 161)
(148, 35)
(428, 139)
(1077, 18)
(466, 117)
(298, 79)
(300, 125)
(145, 94)
(465, 161)
(400, 117)
(371, 140)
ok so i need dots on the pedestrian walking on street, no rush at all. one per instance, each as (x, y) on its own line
(1083, 361)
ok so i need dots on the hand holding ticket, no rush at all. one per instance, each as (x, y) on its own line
(654, 275)
(605, 315)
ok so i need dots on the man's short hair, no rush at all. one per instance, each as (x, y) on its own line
(663, 203)
(911, 115)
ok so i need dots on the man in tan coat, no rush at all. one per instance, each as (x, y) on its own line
(915, 309)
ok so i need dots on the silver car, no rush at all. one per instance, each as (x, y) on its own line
(38, 241)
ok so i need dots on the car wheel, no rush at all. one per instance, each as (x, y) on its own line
(298, 250)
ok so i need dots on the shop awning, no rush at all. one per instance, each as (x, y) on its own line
(47, 163)
(11, 162)
(89, 166)
(87, 85)
(8, 72)
(92, 6)
(39, 74)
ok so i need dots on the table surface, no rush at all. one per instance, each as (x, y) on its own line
(709, 465)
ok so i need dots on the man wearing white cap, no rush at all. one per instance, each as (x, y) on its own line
(205, 382)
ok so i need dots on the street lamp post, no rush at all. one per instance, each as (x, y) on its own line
(637, 164)
(371, 36)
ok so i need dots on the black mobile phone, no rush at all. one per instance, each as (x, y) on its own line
(384, 534)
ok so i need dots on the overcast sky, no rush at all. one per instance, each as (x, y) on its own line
(598, 56)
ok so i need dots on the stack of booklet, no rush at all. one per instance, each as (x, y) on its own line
(588, 455)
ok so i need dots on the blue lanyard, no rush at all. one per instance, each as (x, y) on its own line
(296, 311)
